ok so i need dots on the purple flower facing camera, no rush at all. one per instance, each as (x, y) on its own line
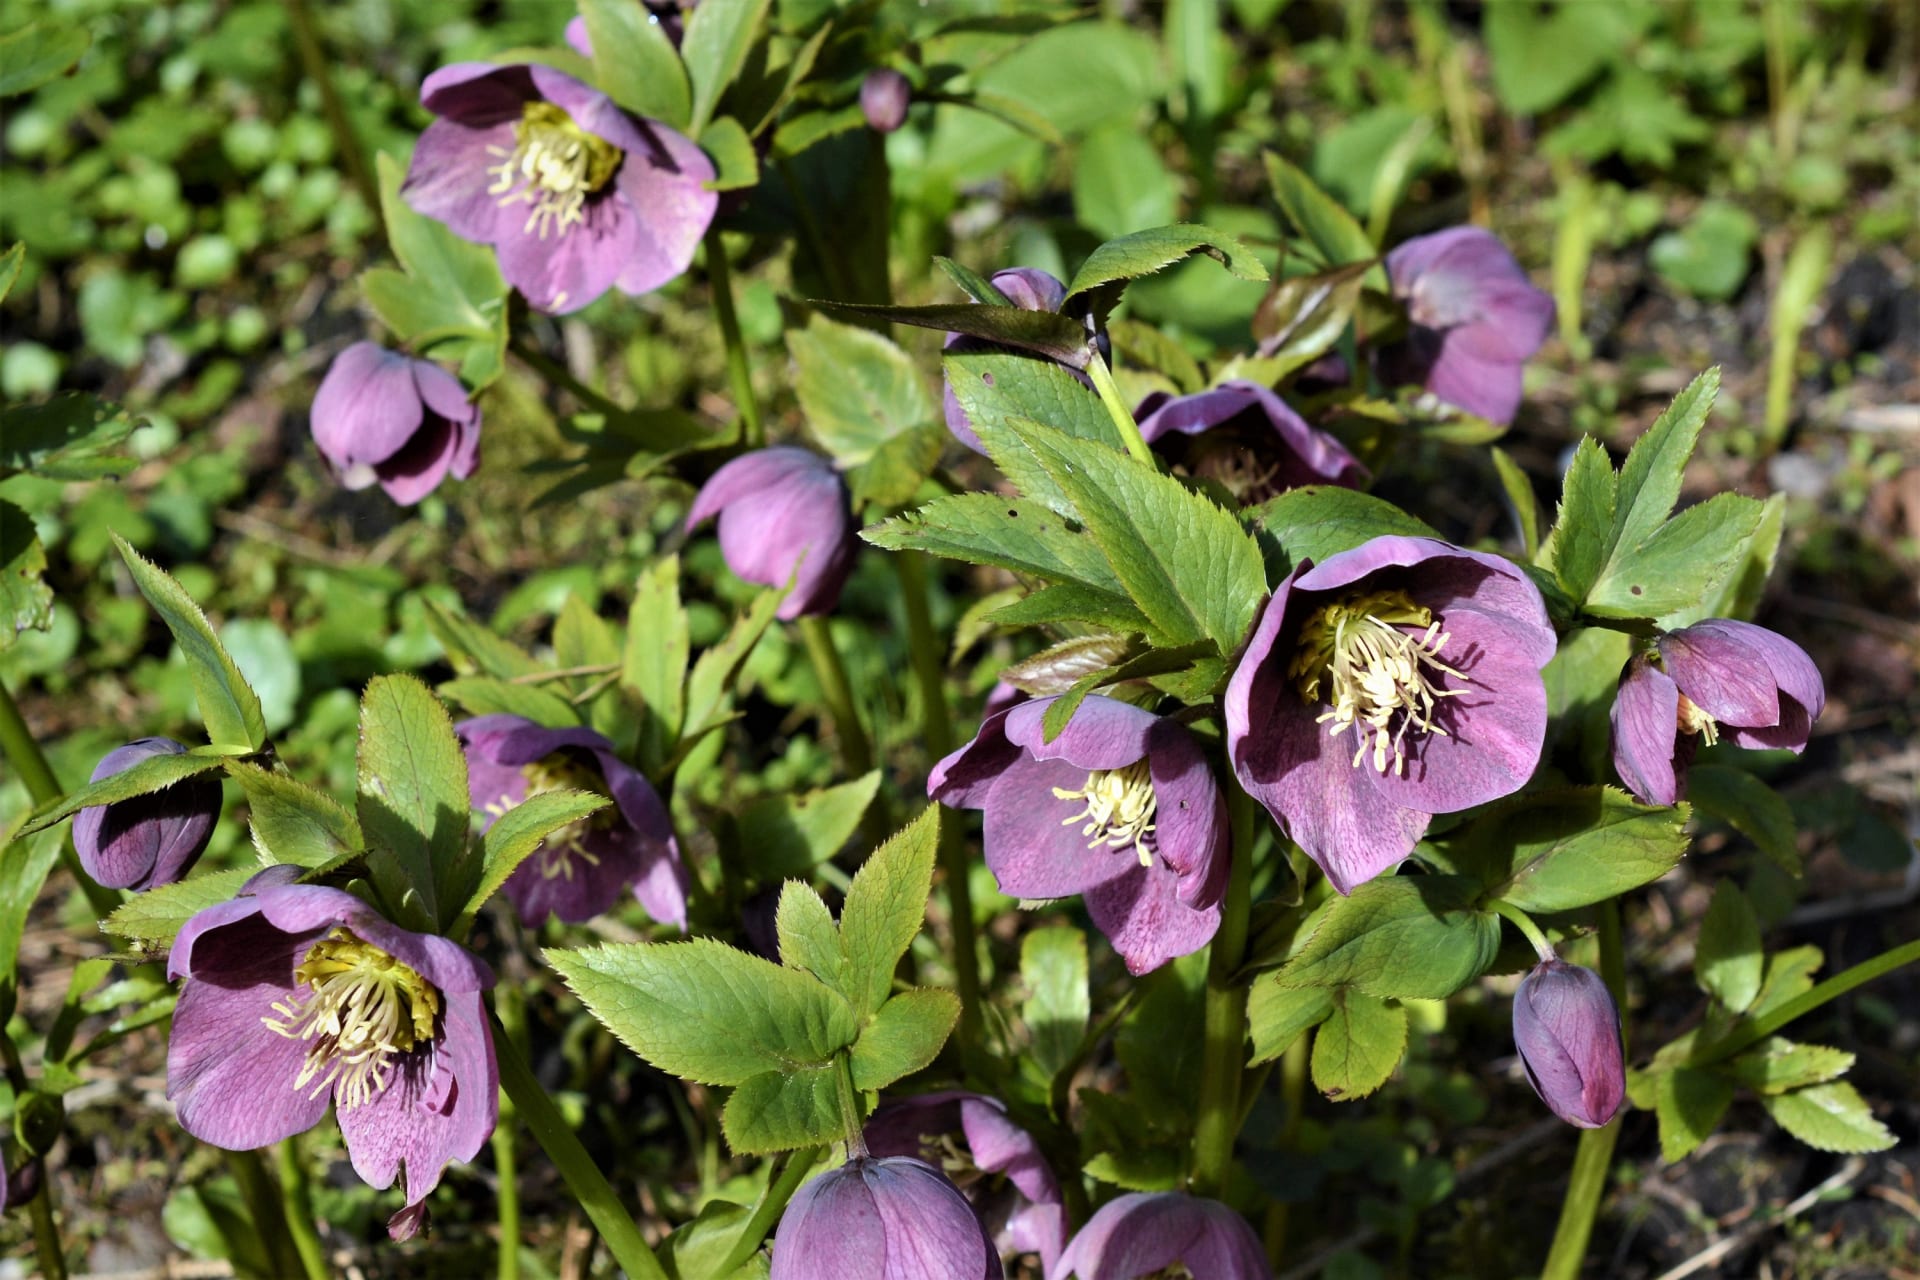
(1712, 679)
(300, 997)
(1247, 439)
(1386, 684)
(1164, 1234)
(575, 195)
(1474, 321)
(1567, 1030)
(1120, 808)
(783, 512)
(891, 1218)
(381, 417)
(149, 840)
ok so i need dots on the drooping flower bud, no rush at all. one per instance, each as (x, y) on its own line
(1164, 1234)
(882, 1219)
(884, 97)
(1567, 1030)
(782, 508)
(406, 424)
(149, 840)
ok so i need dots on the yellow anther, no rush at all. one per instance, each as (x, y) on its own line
(553, 167)
(1381, 678)
(1119, 810)
(1693, 720)
(362, 1009)
(552, 772)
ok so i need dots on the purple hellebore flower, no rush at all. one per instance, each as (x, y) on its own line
(1716, 676)
(1121, 808)
(1247, 438)
(882, 1219)
(783, 510)
(1167, 1233)
(1386, 684)
(884, 98)
(969, 1137)
(1029, 289)
(574, 194)
(1475, 320)
(149, 840)
(298, 996)
(381, 416)
(582, 869)
(1567, 1030)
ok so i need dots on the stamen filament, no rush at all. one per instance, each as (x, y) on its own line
(1383, 679)
(1120, 805)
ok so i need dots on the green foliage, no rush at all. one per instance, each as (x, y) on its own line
(1358, 1045)
(792, 833)
(714, 48)
(412, 803)
(1829, 1117)
(227, 703)
(292, 821)
(36, 53)
(448, 299)
(1317, 521)
(514, 837)
(857, 389)
(1727, 961)
(1400, 937)
(1109, 268)
(1329, 228)
(1563, 848)
(152, 919)
(1279, 1015)
(636, 64)
(1053, 969)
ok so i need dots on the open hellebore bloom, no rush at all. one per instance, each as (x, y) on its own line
(1475, 320)
(582, 869)
(1247, 438)
(1156, 1235)
(882, 1219)
(300, 996)
(150, 840)
(996, 1164)
(1029, 289)
(1567, 1030)
(1712, 678)
(574, 194)
(780, 509)
(1382, 686)
(1120, 808)
(381, 416)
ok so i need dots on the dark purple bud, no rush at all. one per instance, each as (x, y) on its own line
(882, 1219)
(150, 840)
(20, 1184)
(1164, 1234)
(1567, 1030)
(884, 96)
(406, 424)
(783, 511)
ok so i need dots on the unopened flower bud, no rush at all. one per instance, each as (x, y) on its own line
(381, 417)
(149, 840)
(884, 96)
(1567, 1029)
(783, 514)
(882, 1219)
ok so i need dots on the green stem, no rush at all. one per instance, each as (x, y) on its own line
(313, 60)
(930, 670)
(1225, 1017)
(1588, 1181)
(265, 1210)
(739, 370)
(855, 751)
(1293, 1094)
(1521, 921)
(297, 1203)
(560, 376)
(767, 1212)
(1118, 411)
(583, 1177)
(507, 1199)
(1798, 1007)
(23, 752)
(46, 1228)
(850, 1108)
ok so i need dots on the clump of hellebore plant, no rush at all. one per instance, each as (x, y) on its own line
(1121, 808)
(1245, 438)
(1386, 684)
(575, 195)
(884, 98)
(298, 997)
(783, 510)
(151, 840)
(1029, 289)
(1715, 677)
(407, 424)
(582, 869)
(996, 1164)
(1474, 320)
(1164, 1234)
(892, 1218)
(1567, 1030)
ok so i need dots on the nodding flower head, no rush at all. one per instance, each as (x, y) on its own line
(1164, 1236)
(784, 513)
(149, 840)
(1567, 1029)
(1247, 439)
(574, 194)
(1382, 686)
(884, 98)
(381, 417)
(882, 1219)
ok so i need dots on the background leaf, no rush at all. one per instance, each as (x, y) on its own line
(227, 704)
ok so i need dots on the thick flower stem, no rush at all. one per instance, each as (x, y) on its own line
(298, 1205)
(1838, 985)
(17, 743)
(774, 1203)
(266, 1210)
(850, 1111)
(855, 751)
(1524, 923)
(1588, 1181)
(929, 668)
(1223, 1051)
(507, 1199)
(583, 1177)
(1118, 411)
(739, 370)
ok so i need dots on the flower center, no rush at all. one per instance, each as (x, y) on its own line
(1119, 808)
(1381, 680)
(1238, 468)
(1178, 1271)
(1693, 720)
(362, 1008)
(552, 772)
(942, 1151)
(553, 167)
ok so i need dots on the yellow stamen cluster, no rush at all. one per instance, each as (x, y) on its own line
(1119, 810)
(553, 167)
(362, 1009)
(1380, 680)
(1178, 1271)
(942, 1151)
(552, 772)
(1693, 720)
(1236, 466)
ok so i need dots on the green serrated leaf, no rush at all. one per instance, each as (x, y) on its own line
(1750, 807)
(714, 46)
(654, 663)
(485, 696)
(1334, 233)
(885, 907)
(25, 861)
(155, 773)
(26, 601)
(809, 938)
(1047, 333)
(472, 648)
(1053, 969)
(1012, 533)
(1568, 847)
(1110, 267)
(976, 286)
(1303, 316)
(1277, 1016)
(1405, 937)
(1000, 388)
(1727, 960)
(1777, 1064)
(1829, 1117)
(782, 1110)
(432, 254)
(1577, 547)
(789, 834)
(1357, 1046)
(903, 1036)
(1069, 602)
(736, 164)
(156, 916)
(1690, 556)
(1318, 520)
(38, 52)
(227, 703)
(1519, 490)
(1689, 1104)
(514, 837)
(857, 389)
(715, 671)
(67, 437)
(412, 799)
(292, 821)
(636, 63)
(1650, 477)
(1789, 976)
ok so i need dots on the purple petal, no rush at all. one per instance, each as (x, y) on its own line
(881, 1219)
(1033, 845)
(1190, 815)
(418, 468)
(963, 779)
(1567, 1029)
(307, 908)
(1104, 733)
(575, 885)
(1645, 719)
(1737, 673)
(778, 508)
(665, 182)
(1485, 388)
(1142, 914)
(150, 840)
(1306, 455)
(367, 408)
(564, 271)
(578, 39)
(1139, 1234)
(479, 94)
(1030, 288)
(448, 178)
